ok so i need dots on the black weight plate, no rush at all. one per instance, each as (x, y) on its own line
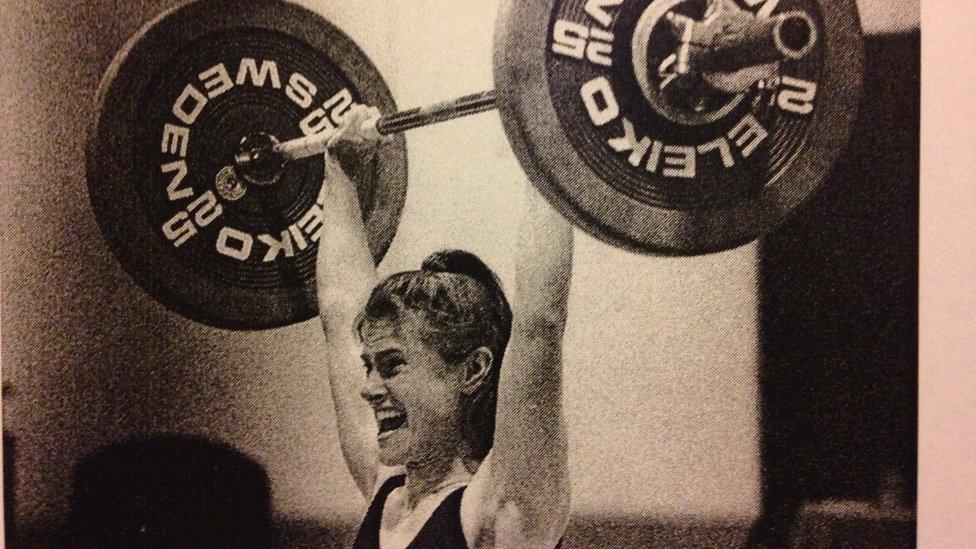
(680, 194)
(203, 76)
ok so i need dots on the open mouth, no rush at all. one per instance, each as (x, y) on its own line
(391, 423)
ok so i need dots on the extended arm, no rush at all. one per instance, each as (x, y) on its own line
(345, 276)
(520, 495)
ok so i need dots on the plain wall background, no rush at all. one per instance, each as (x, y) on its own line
(660, 353)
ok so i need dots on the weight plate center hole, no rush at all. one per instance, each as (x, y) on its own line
(257, 161)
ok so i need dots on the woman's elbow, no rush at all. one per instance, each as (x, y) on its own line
(547, 324)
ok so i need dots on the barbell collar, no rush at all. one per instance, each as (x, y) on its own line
(789, 35)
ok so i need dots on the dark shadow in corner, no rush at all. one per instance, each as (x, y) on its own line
(169, 491)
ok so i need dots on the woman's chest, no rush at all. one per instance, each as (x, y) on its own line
(402, 523)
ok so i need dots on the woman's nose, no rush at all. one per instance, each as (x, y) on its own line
(373, 389)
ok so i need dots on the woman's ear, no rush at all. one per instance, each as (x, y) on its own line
(476, 369)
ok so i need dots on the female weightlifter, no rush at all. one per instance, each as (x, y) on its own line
(455, 433)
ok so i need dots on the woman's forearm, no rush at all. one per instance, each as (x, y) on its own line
(544, 261)
(345, 269)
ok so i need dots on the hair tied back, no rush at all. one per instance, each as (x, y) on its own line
(462, 263)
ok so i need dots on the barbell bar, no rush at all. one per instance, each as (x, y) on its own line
(760, 41)
(668, 127)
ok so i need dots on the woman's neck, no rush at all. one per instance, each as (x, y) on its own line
(431, 474)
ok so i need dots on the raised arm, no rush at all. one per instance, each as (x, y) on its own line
(345, 276)
(520, 495)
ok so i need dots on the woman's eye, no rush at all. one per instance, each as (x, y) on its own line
(389, 369)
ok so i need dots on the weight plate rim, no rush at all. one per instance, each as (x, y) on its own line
(528, 117)
(207, 301)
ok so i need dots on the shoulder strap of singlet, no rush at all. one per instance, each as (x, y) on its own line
(369, 531)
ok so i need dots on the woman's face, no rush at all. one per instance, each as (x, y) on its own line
(414, 393)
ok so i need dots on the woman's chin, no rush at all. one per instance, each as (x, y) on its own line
(394, 446)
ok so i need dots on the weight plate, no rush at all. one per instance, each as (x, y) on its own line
(694, 168)
(173, 108)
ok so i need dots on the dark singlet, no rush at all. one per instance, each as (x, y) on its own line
(441, 531)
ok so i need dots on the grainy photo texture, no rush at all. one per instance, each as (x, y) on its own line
(447, 274)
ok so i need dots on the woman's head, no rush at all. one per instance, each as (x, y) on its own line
(433, 343)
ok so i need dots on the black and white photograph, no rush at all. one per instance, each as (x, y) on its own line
(382, 274)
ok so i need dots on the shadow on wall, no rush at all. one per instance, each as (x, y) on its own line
(169, 491)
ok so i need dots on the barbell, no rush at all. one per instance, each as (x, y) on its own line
(673, 127)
